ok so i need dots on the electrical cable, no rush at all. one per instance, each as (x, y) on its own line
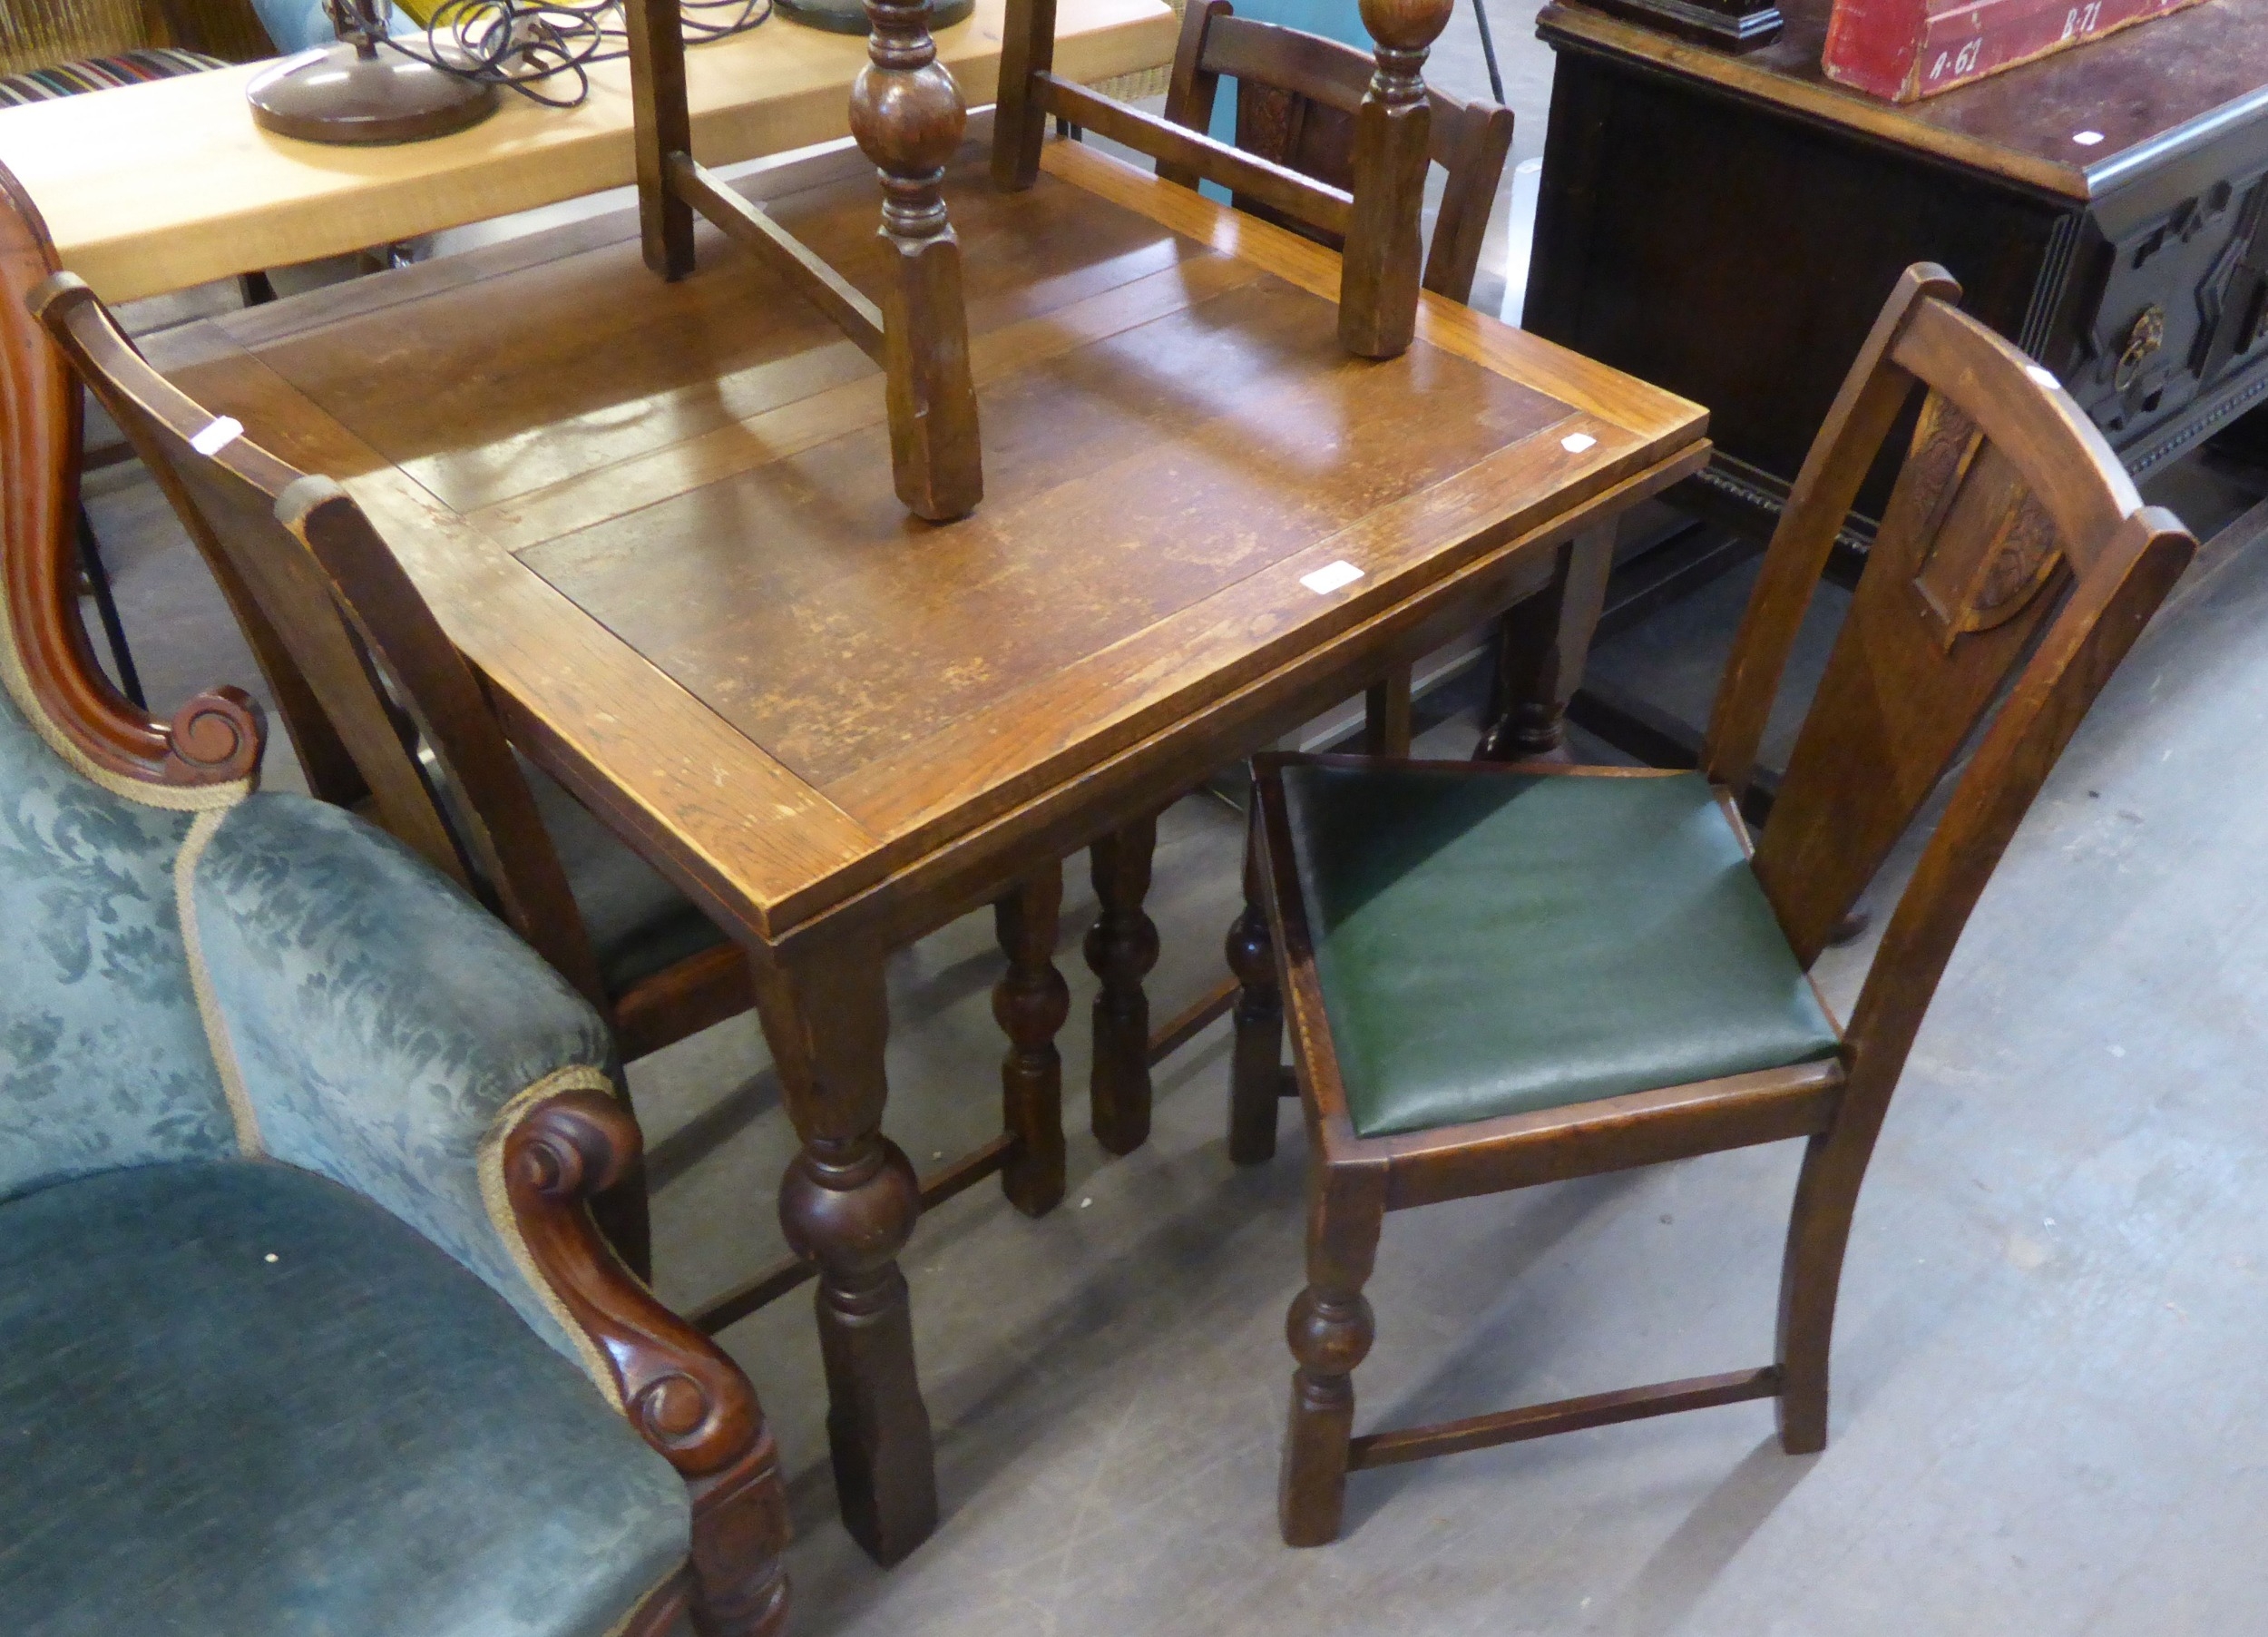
(522, 44)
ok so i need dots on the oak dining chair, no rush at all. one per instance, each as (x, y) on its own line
(1501, 975)
(1297, 96)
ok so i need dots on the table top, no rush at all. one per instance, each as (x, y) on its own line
(2147, 92)
(160, 186)
(660, 518)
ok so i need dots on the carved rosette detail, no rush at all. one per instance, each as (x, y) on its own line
(217, 737)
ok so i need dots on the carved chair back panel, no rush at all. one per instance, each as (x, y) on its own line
(2003, 495)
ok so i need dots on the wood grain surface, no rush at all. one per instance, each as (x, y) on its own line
(660, 518)
(2171, 81)
(156, 187)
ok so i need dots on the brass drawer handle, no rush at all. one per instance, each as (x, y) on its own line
(2146, 337)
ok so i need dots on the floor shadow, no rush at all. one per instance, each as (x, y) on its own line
(1687, 1563)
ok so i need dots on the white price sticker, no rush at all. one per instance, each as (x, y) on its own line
(217, 436)
(1330, 577)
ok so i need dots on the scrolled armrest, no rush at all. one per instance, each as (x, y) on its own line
(686, 1398)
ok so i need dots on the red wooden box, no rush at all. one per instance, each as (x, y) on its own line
(1905, 50)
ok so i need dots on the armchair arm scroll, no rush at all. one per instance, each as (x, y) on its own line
(684, 1398)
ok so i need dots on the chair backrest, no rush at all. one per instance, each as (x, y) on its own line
(216, 736)
(406, 709)
(1375, 217)
(1297, 98)
(2014, 559)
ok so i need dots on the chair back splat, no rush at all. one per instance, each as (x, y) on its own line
(1297, 98)
(2008, 499)
(1376, 215)
(398, 699)
(907, 115)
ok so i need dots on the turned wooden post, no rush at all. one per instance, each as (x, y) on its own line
(1029, 1003)
(1378, 290)
(907, 115)
(848, 1202)
(1121, 948)
(1330, 1329)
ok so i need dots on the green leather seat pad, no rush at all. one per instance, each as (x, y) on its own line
(1493, 944)
(236, 1397)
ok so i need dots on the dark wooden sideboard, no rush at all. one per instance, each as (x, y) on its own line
(1728, 226)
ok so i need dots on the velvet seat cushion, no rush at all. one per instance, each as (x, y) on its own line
(1493, 944)
(236, 1397)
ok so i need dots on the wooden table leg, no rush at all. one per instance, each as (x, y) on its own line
(1029, 1003)
(1121, 948)
(848, 1202)
(1541, 644)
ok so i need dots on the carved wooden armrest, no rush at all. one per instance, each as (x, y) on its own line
(682, 1393)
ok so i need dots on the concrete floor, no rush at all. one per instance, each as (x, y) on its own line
(2054, 1312)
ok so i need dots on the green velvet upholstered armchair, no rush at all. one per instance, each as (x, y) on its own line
(304, 1324)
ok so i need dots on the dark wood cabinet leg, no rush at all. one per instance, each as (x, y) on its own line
(1256, 1069)
(1330, 1329)
(1121, 948)
(1031, 1002)
(1541, 644)
(848, 1202)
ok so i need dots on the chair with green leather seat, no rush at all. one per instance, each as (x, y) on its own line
(1504, 975)
(304, 1323)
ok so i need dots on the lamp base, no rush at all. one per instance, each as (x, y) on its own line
(356, 96)
(849, 16)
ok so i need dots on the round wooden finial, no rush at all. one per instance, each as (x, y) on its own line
(1406, 26)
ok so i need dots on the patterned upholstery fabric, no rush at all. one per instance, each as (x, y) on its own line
(235, 1396)
(380, 1019)
(102, 1055)
(100, 73)
(352, 1439)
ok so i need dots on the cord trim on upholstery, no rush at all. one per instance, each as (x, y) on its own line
(176, 799)
(575, 1077)
(201, 831)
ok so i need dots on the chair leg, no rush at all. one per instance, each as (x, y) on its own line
(1819, 1228)
(1031, 1002)
(1121, 948)
(1330, 1329)
(1386, 714)
(1256, 1069)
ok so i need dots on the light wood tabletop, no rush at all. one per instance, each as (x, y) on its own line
(658, 519)
(160, 186)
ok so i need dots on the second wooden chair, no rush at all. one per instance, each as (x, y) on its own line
(1497, 976)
